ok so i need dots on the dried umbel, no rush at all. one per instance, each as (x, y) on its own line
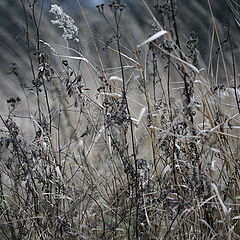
(70, 30)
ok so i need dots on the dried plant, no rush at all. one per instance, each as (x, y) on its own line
(147, 149)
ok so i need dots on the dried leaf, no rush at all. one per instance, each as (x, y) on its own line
(224, 208)
(152, 38)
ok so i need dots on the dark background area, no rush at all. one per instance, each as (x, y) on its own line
(192, 16)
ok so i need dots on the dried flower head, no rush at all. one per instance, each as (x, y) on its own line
(70, 30)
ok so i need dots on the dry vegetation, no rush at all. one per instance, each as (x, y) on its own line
(145, 149)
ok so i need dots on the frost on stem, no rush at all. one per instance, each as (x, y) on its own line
(70, 30)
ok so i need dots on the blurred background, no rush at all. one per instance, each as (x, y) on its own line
(192, 16)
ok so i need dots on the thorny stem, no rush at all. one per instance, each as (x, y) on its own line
(153, 135)
(131, 124)
(29, 56)
(37, 26)
(181, 57)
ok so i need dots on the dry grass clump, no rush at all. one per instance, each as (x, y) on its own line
(147, 149)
